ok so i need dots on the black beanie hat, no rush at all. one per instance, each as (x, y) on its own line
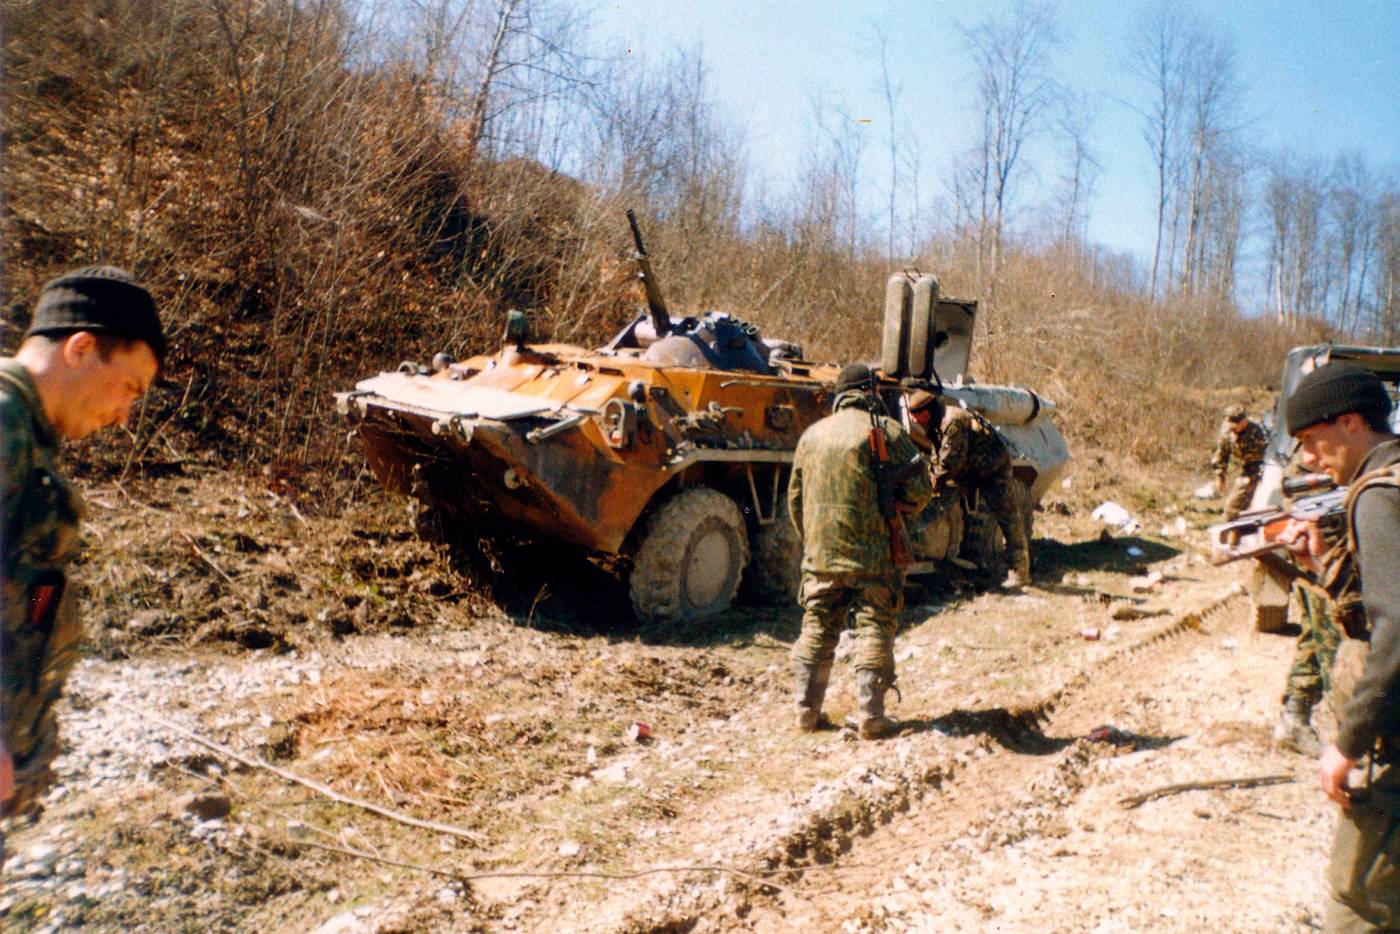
(854, 376)
(102, 300)
(1333, 390)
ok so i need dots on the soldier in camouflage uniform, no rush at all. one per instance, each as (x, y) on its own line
(972, 456)
(1311, 673)
(1246, 440)
(848, 568)
(93, 349)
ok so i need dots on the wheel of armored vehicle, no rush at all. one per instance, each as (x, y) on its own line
(775, 571)
(691, 557)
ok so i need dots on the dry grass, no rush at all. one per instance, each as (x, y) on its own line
(306, 219)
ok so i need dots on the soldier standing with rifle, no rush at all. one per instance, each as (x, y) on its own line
(854, 475)
(1338, 414)
(92, 350)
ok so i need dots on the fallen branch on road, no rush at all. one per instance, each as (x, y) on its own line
(206, 559)
(1133, 801)
(255, 763)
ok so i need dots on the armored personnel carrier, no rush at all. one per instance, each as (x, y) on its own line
(669, 448)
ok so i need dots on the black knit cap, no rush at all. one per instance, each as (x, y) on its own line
(854, 376)
(101, 300)
(1333, 390)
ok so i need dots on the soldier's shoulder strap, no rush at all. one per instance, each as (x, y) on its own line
(980, 420)
(1387, 476)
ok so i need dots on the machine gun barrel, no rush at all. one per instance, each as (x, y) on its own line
(656, 304)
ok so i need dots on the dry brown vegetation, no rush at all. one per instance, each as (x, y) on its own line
(310, 205)
(313, 199)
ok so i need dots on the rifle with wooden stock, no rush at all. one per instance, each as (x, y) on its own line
(888, 478)
(1255, 534)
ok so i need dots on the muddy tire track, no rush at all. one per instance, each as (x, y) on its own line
(1017, 770)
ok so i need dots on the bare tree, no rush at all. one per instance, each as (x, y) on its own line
(1294, 201)
(1014, 91)
(1211, 101)
(1353, 223)
(1080, 170)
(1157, 54)
(890, 93)
(501, 68)
(834, 172)
(1386, 287)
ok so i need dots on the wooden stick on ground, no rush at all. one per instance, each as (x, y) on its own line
(207, 560)
(256, 763)
(1133, 801)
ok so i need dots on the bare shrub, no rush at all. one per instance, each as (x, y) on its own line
(310, 206)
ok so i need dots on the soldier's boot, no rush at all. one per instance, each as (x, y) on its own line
(1294, 730)
(1020, 574)
(811, 690)
(870, 690)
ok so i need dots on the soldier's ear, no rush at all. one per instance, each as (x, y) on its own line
(77, 347)
(1351, 422)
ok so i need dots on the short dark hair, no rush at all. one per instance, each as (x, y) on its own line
(107, 344)
(1377, 421)
(100, 300)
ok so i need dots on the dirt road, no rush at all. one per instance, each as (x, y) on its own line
(601, 778)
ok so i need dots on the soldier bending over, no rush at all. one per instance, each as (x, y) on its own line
(972, 456)
(93, 349)
(1246, 440)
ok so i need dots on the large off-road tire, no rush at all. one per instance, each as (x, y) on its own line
(690, 558)
(775, 572)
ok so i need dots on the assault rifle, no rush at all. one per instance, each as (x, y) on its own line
(1255, 534)
(888, 477)
(660, 317)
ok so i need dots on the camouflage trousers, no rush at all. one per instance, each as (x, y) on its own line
(1007, 499)
(1364, 870)
(1241, 492)
(1311, 674)
(871, 602)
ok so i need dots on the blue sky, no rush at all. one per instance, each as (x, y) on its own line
(1320, 79)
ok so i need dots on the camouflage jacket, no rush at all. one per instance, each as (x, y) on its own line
(1247, 447)
(832, 497)
(40, 537)
(970, 450)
